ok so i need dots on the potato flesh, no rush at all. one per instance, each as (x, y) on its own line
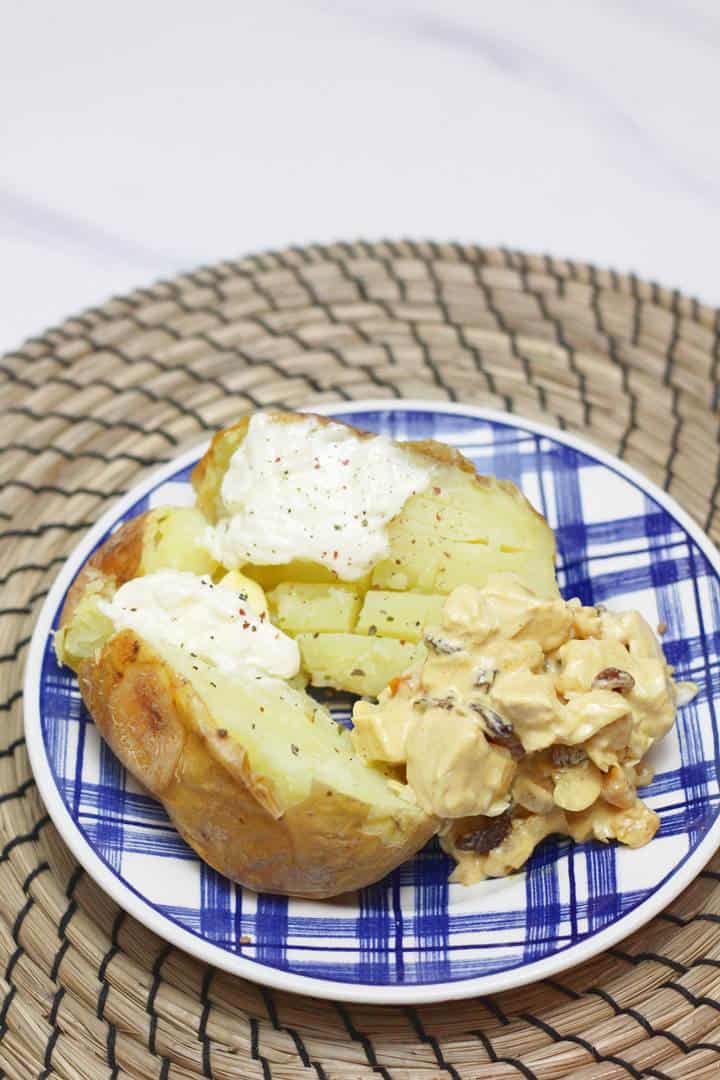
(88, 629)
(298, 571)
(246, 589)
(462, 563)
(171, 541)
(290, 741)
(297, 606)
(399, 615)
(466, 530)
(362, 665)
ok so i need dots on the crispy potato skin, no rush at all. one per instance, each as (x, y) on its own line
(119, 558)
(150, 718)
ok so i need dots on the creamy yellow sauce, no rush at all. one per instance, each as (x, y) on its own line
(528, 716)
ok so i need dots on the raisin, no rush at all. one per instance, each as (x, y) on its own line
(498, 730)
(484, 677)
(613, 678)
(511, 743)
(563, 757)
(488, 834)
(435, 703)
(494, 723)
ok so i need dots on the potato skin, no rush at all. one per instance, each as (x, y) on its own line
(320, 848)
(118, 558)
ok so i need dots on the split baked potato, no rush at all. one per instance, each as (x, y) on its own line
(254, 772)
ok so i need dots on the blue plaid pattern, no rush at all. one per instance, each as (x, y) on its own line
(616, 545)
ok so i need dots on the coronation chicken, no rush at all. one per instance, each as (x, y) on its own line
(528, 716)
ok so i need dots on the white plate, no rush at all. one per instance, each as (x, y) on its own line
(412, 938)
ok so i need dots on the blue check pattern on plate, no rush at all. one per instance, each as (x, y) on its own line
(615, 545)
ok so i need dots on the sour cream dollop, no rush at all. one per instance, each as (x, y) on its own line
(315, 491)
(209, 622)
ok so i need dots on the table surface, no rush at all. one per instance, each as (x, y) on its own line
(137, 139)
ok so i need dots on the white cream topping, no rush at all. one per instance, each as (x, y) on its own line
(210, 622)
(306, 490)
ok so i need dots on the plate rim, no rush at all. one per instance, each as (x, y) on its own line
(257, 971)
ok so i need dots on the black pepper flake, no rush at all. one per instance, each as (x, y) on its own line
(357, 671)
(372, 630)
(213, 684)
(221, 733)
(295, 749)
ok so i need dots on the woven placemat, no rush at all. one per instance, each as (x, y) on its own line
(85, 991)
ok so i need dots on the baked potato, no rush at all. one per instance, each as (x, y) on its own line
(459, 530)
(254, 772)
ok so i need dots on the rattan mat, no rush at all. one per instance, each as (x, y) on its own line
(87, 992)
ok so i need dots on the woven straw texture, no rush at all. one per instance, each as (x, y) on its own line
(87, 992)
